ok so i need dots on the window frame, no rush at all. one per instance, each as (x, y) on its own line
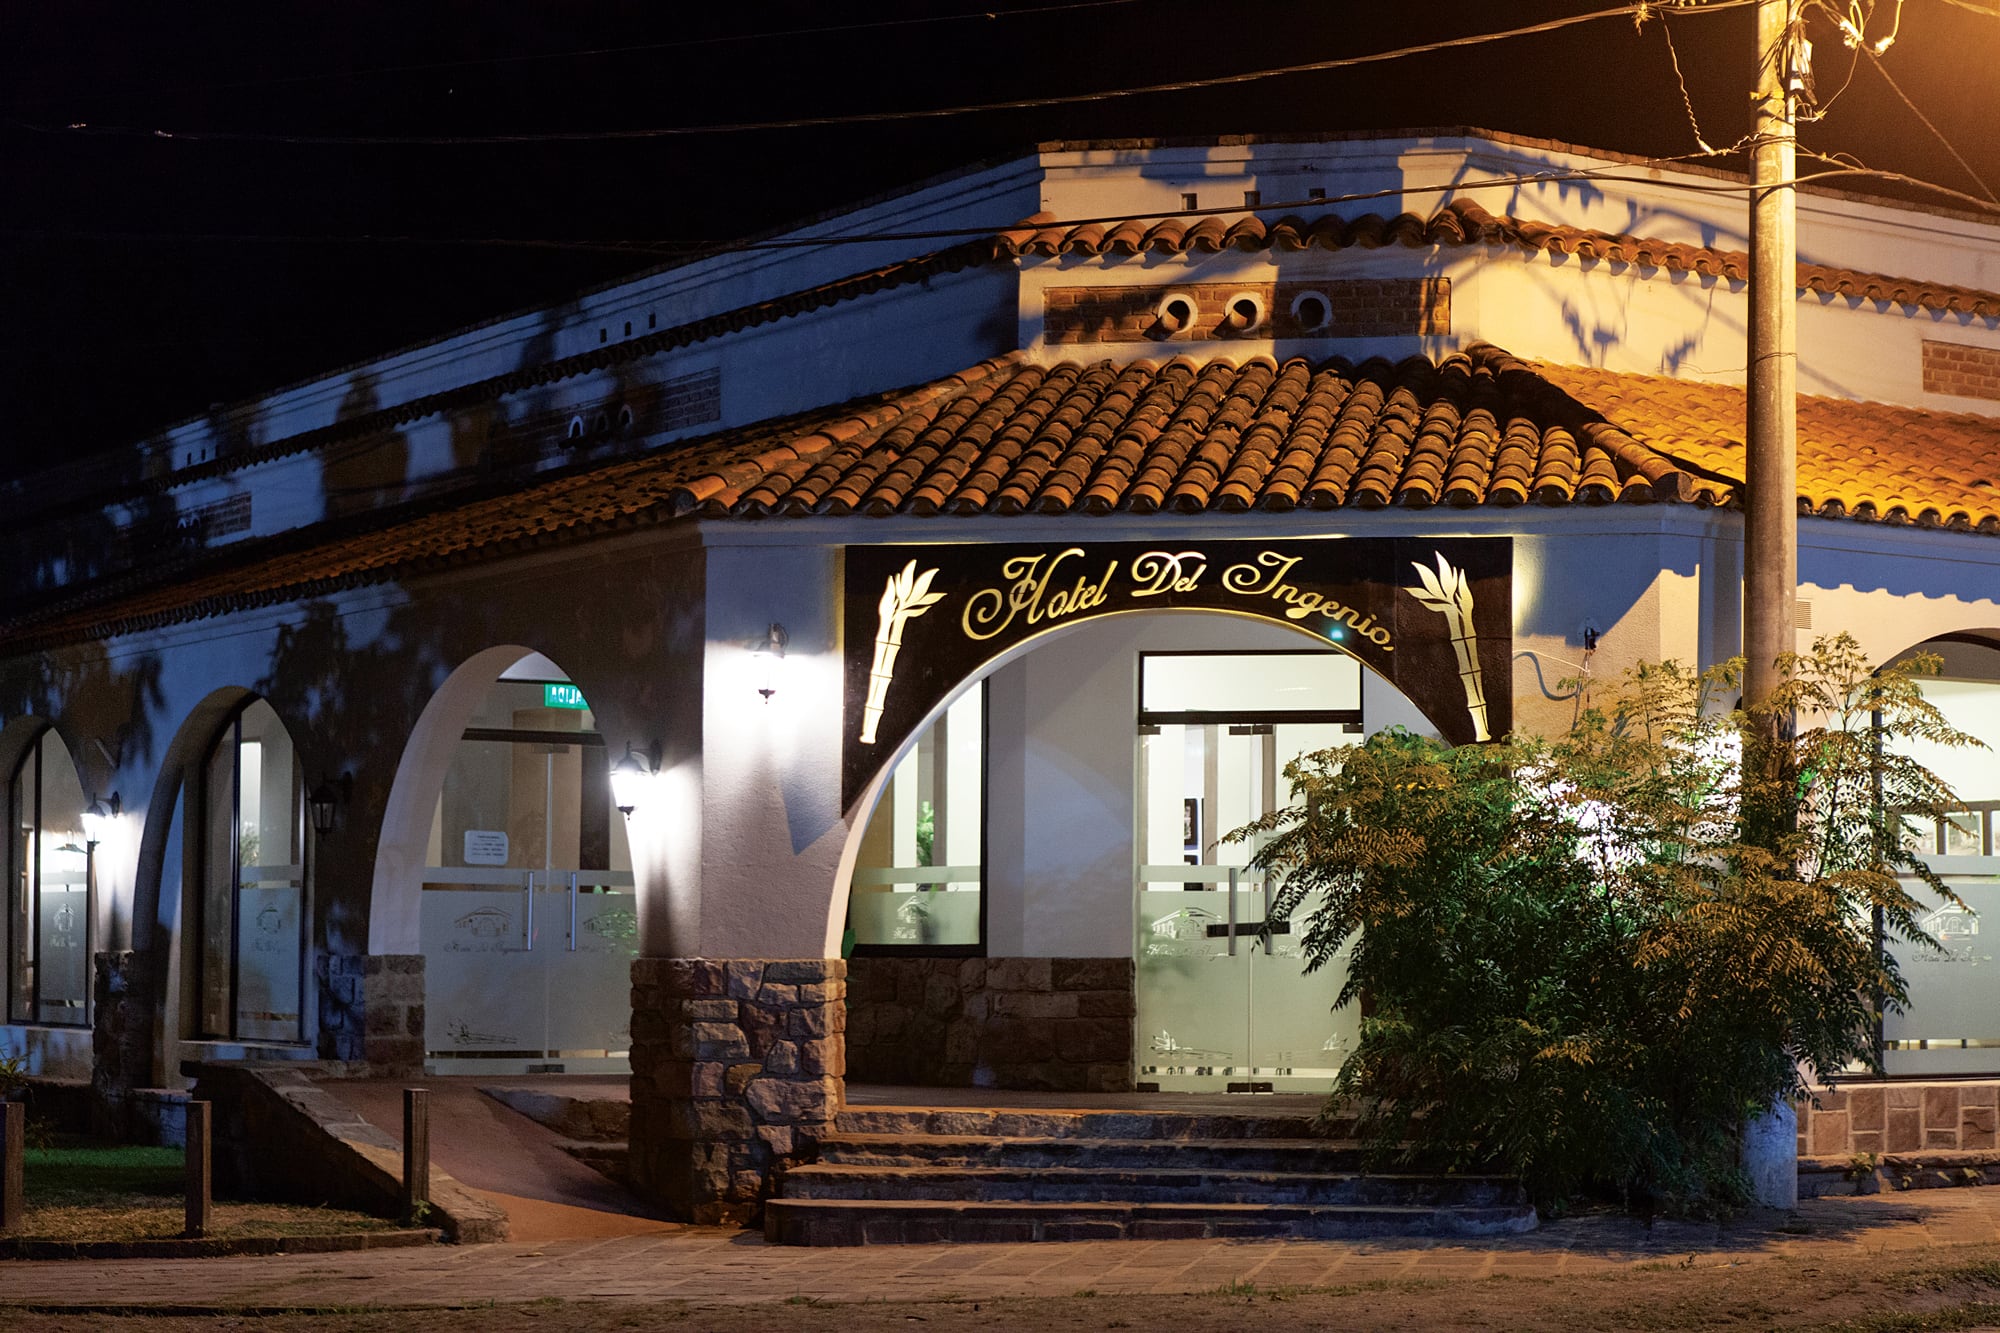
(24, 894)
(978, 948)
(231, 733)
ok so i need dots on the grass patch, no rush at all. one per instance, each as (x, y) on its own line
(84, 1192)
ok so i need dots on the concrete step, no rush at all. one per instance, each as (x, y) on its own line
(963, 1150)
(920, 1221)
(841, 1180)
(1078, 1124)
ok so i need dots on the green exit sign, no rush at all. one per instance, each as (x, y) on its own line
(562, 696)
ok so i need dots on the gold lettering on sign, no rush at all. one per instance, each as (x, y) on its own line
(1157, 572)
(905, 596)
(1031, 594)
(1266, 578)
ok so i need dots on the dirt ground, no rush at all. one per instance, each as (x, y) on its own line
(1954, 1289)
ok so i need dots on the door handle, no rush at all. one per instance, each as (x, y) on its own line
(1232, 911)
(528, 918)
(572, 911)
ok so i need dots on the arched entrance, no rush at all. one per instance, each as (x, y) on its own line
(1041, 896)
(1951, 1027)
(504, 858)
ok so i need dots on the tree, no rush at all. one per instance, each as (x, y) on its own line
(1572, 962)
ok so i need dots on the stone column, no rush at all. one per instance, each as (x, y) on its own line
(121, 1036)
(738, 1066)
(371, 1010)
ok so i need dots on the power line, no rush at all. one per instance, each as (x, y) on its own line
(726, 39)
(1876, 61)
(1647, 8)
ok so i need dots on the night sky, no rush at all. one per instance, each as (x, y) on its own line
(143, 278)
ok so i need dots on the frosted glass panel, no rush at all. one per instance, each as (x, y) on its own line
(1209, 1015)
(1953, 1022)
(591, 984)
(1268, 684)
(484, 990)
(63, 969)
(918, 878)
(267, 967)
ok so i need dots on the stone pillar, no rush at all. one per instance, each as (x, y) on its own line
(738, 1066)
(371, 1010)
(121, 1035)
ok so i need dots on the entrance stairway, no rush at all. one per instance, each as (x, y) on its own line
(906, 1175)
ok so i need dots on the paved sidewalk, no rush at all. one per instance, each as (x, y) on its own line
(712, 1266)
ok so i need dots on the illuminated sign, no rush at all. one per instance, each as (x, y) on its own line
(562, 696)
(1433, 616)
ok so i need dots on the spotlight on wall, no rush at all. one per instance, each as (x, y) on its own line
(97, 818)
(770, 653)
(630, 777)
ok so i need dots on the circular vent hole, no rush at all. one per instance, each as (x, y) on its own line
(1312, 310)
(1177, 312)
(1246, 312)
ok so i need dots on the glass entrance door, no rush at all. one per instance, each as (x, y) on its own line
(1224, 1001)
(528, 917)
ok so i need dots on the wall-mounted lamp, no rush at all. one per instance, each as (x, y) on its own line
(770, 652)
(630, 777)
(97, 817)
(322, 804)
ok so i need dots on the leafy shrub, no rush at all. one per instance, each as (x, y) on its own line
(1587, 959)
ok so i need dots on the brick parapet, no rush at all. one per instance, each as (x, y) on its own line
(1047, 1024)
(1961, 370)
(1329, 308)
(738, 1067)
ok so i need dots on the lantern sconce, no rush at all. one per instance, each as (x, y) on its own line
(770, 652)
(322, 804)
(97, 817)
(631, 775)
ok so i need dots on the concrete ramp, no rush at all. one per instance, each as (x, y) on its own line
(521, 1166)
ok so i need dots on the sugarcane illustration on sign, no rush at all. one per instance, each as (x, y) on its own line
(905, 596)
(1449, 594)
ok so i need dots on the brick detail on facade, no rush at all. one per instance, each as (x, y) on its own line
(1354, 308)
(1900, 1118)
(371, 1010)
(1056, 1024)
(1962, 370)
(737, 1068)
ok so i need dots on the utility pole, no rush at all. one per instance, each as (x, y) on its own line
(1769, 1152)
(1771, 514)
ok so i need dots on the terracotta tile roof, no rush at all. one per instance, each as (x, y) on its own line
(1860, 460)
(1465, 222)
(1179, 436)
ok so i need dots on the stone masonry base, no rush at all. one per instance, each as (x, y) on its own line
(737, 1068)
(371, 1009)
(1041, 1024)
(1900, 1118)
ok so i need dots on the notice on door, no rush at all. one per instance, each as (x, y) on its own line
(485, 847)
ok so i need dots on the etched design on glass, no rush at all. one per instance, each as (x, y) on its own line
(1956, 929)
(1449, 594)
(1165, 1045)
(617, 924)
(65, 922)
(465, 1034)
(1182, 934)
(482, 924)
(905, 596)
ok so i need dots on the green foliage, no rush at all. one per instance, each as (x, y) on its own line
(926, 832)
(1587, 959)
(13, 1075)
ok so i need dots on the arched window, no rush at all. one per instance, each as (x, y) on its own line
(251, 910)
(50, 907)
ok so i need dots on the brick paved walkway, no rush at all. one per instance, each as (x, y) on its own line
(726, 1267)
